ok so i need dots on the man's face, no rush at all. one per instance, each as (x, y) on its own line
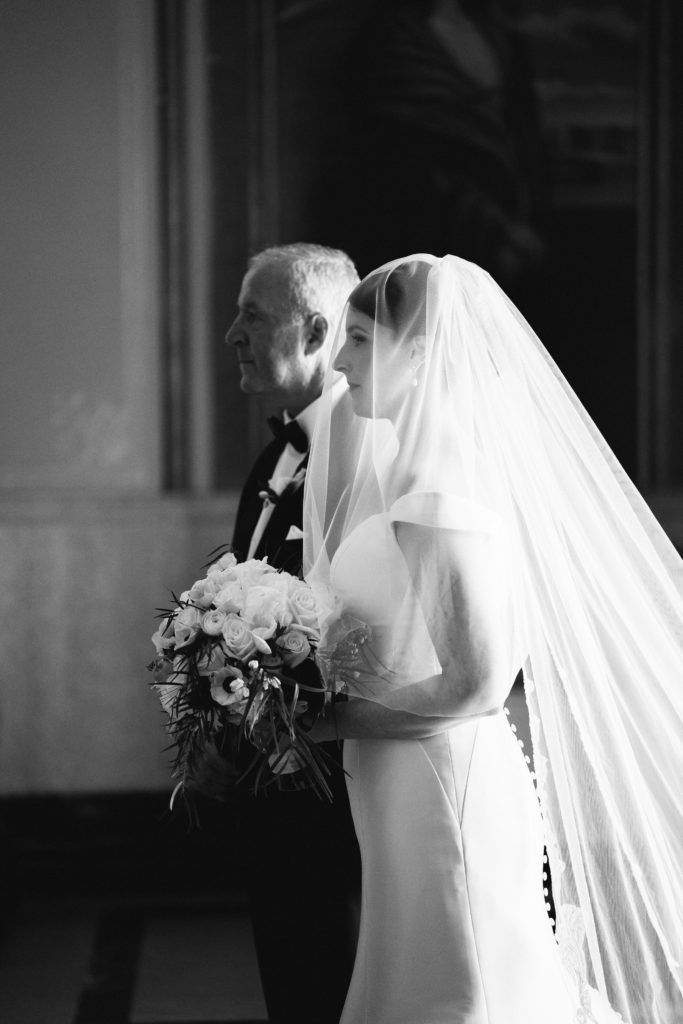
(271, 348)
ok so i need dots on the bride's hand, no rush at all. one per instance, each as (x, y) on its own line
(355, 663)
(366, 675)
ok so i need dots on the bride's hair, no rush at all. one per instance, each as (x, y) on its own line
(396, 300)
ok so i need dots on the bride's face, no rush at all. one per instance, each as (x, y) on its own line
(378, 367)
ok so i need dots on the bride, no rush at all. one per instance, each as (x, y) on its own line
(463, 519)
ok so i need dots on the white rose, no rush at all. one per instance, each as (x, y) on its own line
(264, 633)
(219, 579)
(303, 604)
(230, 597)
(240, 640)
(226, 561)
(213, 622)
(267, 607)
(186, 625)
(294, 646)
(251, 573)
(202, 593)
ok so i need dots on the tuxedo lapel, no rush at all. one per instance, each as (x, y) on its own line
(288, 512)
(249, 508)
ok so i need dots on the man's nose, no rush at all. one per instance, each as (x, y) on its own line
(235, 334)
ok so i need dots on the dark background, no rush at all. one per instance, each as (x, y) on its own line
(369, 136)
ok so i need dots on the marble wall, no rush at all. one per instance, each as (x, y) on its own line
(80, 579)
(87, 543)
(79, 391)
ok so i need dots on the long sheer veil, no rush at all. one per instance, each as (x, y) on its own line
(485, 435)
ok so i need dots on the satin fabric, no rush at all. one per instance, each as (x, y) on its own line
(454, 928)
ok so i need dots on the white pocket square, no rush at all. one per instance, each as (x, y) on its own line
(294, 534)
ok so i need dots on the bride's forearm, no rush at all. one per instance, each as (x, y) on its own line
(366, 719)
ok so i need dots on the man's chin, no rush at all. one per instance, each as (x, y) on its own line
(250, 386)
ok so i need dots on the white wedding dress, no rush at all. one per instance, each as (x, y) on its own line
(454, 928)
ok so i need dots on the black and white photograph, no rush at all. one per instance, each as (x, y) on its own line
(341, 518)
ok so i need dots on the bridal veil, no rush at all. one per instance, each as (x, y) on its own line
(461, 420)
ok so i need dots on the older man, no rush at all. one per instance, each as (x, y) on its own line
(300, 854)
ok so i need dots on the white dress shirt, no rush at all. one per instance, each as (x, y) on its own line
(285, 468)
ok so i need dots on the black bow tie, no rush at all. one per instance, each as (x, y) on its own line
(289, 433)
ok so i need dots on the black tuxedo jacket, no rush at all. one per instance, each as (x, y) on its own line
(281, 553)
(300, 830)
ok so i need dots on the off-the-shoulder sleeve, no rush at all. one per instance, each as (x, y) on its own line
(444, 511)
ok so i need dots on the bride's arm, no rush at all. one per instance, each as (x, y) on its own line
(456, 580)
(365, 719)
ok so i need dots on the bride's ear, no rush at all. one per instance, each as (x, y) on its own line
(418, 347)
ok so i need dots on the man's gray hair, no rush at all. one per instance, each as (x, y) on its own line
(319, 279)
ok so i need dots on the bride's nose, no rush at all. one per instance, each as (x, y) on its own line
(341, 362)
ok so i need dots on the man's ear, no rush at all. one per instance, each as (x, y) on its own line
(316, 332)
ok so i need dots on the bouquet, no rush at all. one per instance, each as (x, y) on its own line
(235, 667)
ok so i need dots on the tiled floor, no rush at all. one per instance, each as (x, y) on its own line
(81, 961)
(113, 913)
(142, 931)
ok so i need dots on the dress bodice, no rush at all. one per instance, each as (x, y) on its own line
(368, 572)
(372, 582)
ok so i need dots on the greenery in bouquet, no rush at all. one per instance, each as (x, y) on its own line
(235, 669)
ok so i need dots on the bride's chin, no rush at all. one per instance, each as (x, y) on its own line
(358, 405)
